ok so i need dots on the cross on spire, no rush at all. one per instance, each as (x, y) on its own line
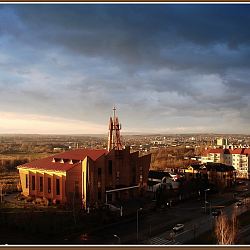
(114, 109)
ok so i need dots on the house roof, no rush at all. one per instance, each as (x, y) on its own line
(219, 167)
(206, 152)
(238, 151)
(195, 166)
(80, 154)
(75, 155)
(217, 151)
(247, 151)
(211, 166)
(157, 174)
(213, 151)
(243, 151)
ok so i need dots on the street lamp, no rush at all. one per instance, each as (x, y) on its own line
(137, 223)
(206, 199)
(119, 239)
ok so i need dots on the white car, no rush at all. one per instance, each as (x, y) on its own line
(239, 203)
(178, 227)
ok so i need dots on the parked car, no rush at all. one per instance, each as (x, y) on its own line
(178, 227)
(239, 203)
(240, 182)
(84, 237)
(216, 212)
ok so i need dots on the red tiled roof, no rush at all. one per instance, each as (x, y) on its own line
(47, 164)
(78, 154)
(206, 152)
(216, 151)
(238, 151)
(226, 151)
(246, 151)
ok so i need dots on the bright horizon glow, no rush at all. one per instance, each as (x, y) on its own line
(45, 125)
(34, 124)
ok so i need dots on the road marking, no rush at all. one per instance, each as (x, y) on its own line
(161, 241)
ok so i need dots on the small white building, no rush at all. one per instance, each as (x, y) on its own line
(158, 178)
(221, 142)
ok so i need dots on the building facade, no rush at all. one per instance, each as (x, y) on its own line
(239, 158)
(241, 162)
(217, 155)
(219, 174)
(90, 177)
(221, 142)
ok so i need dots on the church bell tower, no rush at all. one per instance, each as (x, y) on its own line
(114, 138)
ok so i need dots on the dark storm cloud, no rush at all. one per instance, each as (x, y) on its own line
(140, 34)
(170, 61)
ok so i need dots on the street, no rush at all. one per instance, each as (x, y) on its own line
(155, 228)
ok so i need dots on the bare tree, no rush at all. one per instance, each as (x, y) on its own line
(226, 229)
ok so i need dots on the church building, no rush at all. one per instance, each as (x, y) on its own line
(90, 176)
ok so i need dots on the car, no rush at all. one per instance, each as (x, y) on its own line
(178, 227)
(84, 237)
(216, 212)
(240, 182)
(239, 203)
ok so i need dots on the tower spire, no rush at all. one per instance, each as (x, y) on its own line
(114, 138)
(114, 109)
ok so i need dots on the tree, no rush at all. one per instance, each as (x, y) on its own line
(226, 229)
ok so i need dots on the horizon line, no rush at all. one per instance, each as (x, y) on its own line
(126, 133)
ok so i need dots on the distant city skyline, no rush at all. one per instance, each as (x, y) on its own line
(168, 68)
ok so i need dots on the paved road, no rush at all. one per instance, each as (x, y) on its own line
(156, 227)
(199, 226)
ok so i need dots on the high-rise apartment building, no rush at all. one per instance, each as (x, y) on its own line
(239, 158)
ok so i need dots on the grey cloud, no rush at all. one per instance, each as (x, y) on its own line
(175, 62)
(139, 34)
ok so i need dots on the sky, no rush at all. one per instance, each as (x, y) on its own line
(168, 68)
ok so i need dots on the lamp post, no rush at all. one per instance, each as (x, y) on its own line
(137, 223)
(119, 239)
(206, 199)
